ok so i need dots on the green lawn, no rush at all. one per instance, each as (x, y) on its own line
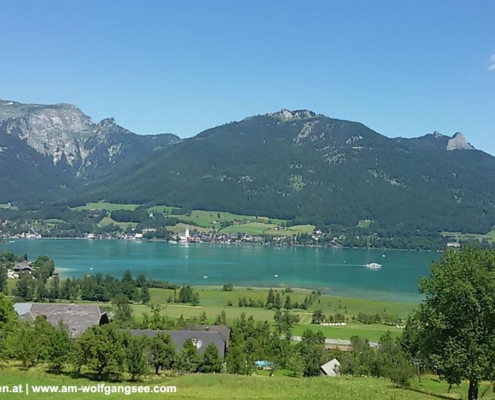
(213, 300)
(223, 386)
(363, 223)
(8, 206)
(292, 230)
(181, 227)
(250, 228)
(371, 332)
(351, 306)
(123, 225)
(107, 206)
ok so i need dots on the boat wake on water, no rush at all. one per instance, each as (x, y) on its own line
(373, 265)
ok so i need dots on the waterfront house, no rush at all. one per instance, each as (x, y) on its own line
(76, 317)
(23, 267)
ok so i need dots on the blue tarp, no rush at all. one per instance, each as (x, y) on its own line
(262, 363)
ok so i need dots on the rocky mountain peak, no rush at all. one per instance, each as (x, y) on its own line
(459, 142)
(107, 122)
(287, 115)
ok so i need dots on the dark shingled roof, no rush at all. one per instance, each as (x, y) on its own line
(77, 317)
(201, 338)
(224, 330)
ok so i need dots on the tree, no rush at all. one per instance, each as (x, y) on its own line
(270, 298)
(128, 285)
(3, 280)
(278, 301)
(58, 348)
(186, 295)
(392, 361)
(24, 287)
(455, 323)
(317, 317)
(8, 327)
(212, 362)
(27, 346)
(145, 295)
(55, 288)
(228, 287)
(41, 292)
(161, 352)
(296, 364)
(136, 362)
(288, 303)
(33, 341)
(101, 349)
(187, 358)
(141, 280)
(123, 312)
(236, 360)
(221, 318)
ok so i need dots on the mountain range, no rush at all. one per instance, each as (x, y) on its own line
(296, 165)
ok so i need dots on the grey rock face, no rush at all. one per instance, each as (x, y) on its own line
(57, 131)
(459, 142)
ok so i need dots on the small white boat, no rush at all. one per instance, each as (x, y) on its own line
(276, 276)
(373, 266)
(205, 276)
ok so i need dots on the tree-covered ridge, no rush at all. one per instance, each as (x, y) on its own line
(320, 170)
(295, 165)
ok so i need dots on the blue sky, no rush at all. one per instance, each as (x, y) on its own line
(403, 68)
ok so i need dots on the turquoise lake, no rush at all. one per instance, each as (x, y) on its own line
(339, 272)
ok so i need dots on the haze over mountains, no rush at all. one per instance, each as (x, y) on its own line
(296, 165)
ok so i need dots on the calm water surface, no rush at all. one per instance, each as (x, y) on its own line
(334, 271)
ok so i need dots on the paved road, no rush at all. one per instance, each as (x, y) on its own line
(334, 342)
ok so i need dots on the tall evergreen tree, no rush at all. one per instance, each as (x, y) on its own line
(188, 358)
(212, 362)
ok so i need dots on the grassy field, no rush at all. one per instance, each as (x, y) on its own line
(265, 228)
(371, 332)
(123, 225)
(181, 227)
(213, 300)
(8, 206)
(205, 221)
(363, 223)
(490, 236)
(223, 386)
(107, 206)
(212, 219)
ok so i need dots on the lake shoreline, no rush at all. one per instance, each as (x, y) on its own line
(267, 244)
(337, 272)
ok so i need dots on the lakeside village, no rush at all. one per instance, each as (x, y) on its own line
(191, 235)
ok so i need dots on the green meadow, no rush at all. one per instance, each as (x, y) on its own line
(214, 300)
(205, 221)
(107, 206)
(239, 387)
(490, 236)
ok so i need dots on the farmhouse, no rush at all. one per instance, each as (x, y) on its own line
(77, 317)
(23, 267)
(201, 339)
